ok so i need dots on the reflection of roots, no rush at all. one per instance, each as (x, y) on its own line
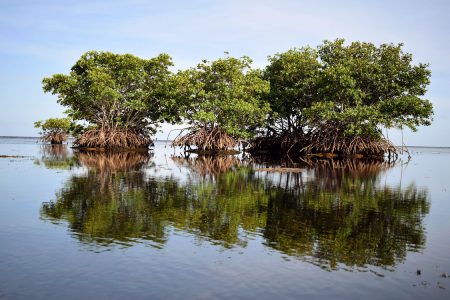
(323, 172)
(208, 165)
(206, 139)
(54, 152)
(113, 138)
(55, 137)
(104, 162)
(356, 168)
(333, 175)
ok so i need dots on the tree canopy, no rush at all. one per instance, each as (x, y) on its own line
(293, 77)
(372, 86)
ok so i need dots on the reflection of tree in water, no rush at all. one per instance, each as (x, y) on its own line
(56, 157)
(207, 166)
(107, 162)
(355, 226)
(341, 215)
(121, 206)
(341, 212)
(96, 203)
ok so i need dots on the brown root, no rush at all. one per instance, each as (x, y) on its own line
(105, 162)
(212, 140)
(57, 137)
(335, 143)
(325, 143)
(275, 145)
(208, 165)
(113, 139)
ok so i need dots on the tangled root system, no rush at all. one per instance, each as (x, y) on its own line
(113, 139)
(206, 139)
(332, 142)
(277, 144)
(323, 142)
(55, 137)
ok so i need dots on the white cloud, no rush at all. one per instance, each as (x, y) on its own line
(55, 34)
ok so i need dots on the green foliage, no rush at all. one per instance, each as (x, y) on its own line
(54, 124)
(293, 77)
(54, 130)
(115, 90)
(344, 91)
(355, 121)
(224, 93)
(356, 89)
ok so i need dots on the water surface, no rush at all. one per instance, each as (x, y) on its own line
(160, 225)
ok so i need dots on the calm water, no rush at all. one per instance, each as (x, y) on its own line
(162, 226)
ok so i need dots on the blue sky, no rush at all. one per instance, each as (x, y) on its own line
(40, 38)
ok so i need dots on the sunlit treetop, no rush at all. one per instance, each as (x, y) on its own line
(225, 93)
(115, 90)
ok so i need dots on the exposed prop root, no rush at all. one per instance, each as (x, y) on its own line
(55, 137)
(277, 144)
(113, 138)
(205, 139)
(331, 142)
(327, 143)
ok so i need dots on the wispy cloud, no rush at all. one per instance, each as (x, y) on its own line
(45, 37)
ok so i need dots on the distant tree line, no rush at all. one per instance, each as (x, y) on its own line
(335, 98)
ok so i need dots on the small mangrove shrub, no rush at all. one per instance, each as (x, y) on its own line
(223, 103)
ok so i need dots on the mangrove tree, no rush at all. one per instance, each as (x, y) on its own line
(222, 101)
(122, 97)
(337, 98)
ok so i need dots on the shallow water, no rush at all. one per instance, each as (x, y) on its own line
(162, 226)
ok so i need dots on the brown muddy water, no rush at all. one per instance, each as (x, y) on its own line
(158, 225)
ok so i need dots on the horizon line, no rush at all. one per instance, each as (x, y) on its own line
(156, 140)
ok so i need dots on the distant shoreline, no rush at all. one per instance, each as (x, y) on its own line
(36, 137)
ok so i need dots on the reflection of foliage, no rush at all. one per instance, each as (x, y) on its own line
(56, 157)
(358, 225)
(126, 206)
(343, 215)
